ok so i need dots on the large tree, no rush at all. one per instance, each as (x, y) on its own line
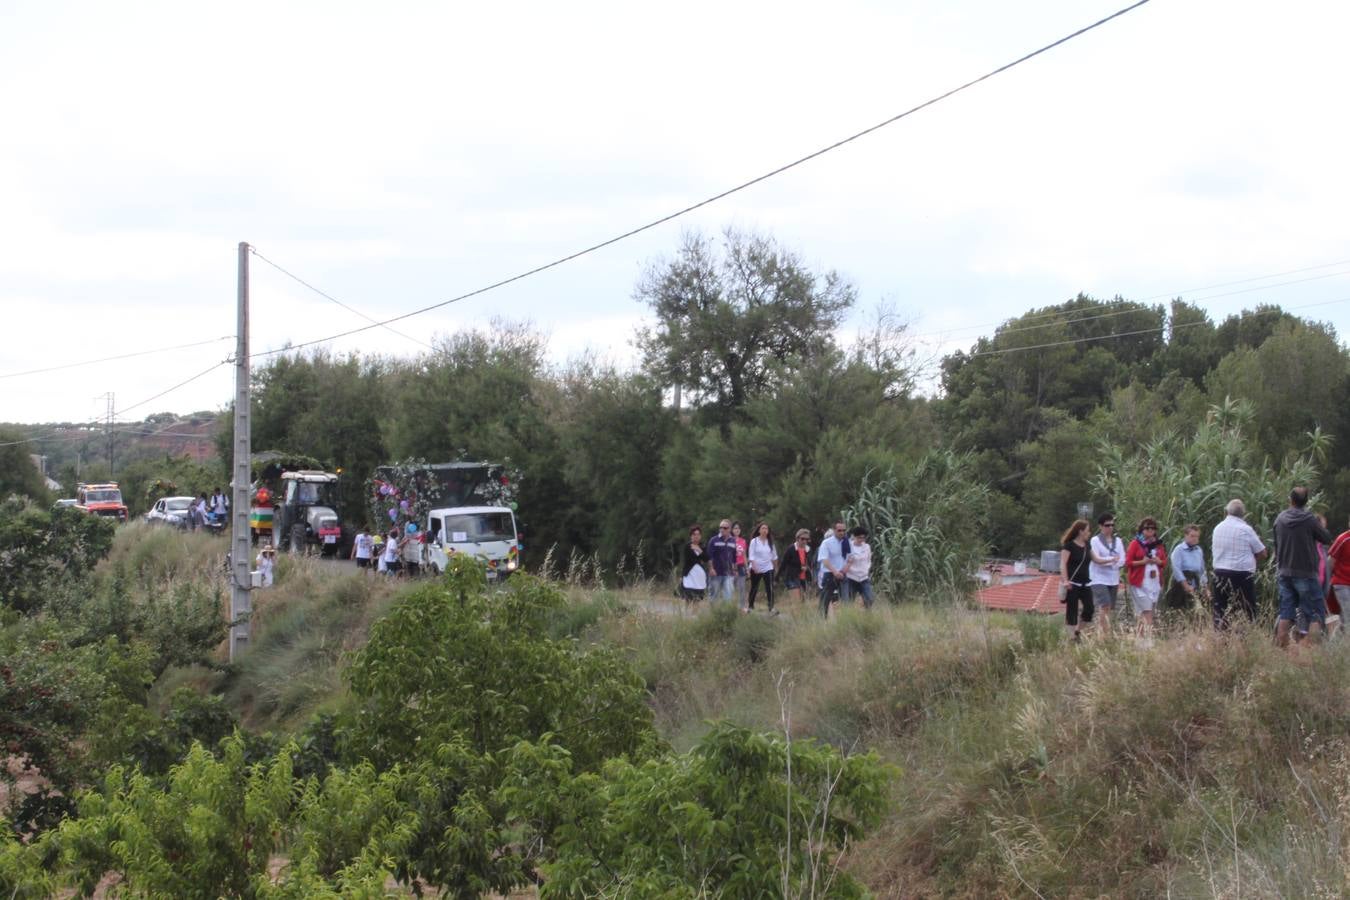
(729, 317)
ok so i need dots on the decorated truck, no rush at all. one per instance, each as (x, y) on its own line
(294, 503)
(452, 508)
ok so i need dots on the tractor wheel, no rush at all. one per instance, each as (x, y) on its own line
(297, 540)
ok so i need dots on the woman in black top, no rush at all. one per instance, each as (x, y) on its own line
(1073, 573)
(796, 565)
(694, 568)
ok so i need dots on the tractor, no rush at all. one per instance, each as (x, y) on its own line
(305, 516)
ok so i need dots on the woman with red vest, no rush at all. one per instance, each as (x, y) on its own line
(1145, 559)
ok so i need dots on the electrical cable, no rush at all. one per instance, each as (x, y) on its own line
(719, 196)
(1106, 337)
(1167, 295)
(333, 299)
(1137, 307)
(90, 362)
(201, 374)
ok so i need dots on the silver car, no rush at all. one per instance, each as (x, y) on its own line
(171, 511)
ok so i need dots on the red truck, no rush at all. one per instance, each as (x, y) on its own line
(103, 499)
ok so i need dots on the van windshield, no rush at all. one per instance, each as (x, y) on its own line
(478, 528)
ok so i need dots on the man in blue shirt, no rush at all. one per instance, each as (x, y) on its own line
(722, 557)
(833, 555)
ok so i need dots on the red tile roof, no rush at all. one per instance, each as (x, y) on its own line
(1039, 594)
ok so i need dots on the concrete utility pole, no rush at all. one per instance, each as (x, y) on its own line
(241, 542)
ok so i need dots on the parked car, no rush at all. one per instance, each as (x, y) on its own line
(170, 511)
(68, 501)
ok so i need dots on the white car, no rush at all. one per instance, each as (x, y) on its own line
(170, 511)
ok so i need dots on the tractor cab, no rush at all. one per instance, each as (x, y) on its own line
(305, 515)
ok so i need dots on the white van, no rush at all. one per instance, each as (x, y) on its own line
(486, 532)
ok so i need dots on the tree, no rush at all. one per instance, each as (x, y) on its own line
(18, 473)
(724, 319)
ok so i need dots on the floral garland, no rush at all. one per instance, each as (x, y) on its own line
(403, 493)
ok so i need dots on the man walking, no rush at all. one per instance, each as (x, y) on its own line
(1235, 548)
(722, 557)
(834, 551)
(1297, 534)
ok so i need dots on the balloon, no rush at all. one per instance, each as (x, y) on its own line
(393, 515)
(403, 505)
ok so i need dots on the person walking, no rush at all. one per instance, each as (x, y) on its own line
(833, 556)
(738, 585)
(1235, 548)
(694, 565)
(1188, 569)
(763, 561)
(1075, 578)
(411, 550)
(1145, 560)
(363, 546)
(796, 564)
(858, 566)
(1339, 557)
(1297, 533)
(1106, 555)
(390, 556)
(722, 557)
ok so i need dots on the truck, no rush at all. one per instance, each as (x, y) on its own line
(487, 533)
(101, 499)
(461, 508)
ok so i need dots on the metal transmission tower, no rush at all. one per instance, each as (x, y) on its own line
(241, 543)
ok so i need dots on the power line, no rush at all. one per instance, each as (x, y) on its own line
(726, 193)
(90, 362)
(1136, 307)
(1157, 330)
(332, 299)
(201, 374)
(1166, 295)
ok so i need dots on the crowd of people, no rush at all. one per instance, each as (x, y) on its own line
(731, 568)
(1312, 571)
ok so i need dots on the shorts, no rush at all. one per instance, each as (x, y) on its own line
(362, 563)
(392, 567)
(1104, 595)
(796, 584)
(1144, 597)
(1301, 595)
(691, 595)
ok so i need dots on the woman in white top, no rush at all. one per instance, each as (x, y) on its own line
(1106, 553)
(763, 561)
(858, 567)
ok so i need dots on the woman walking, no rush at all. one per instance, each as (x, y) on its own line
(763, 561)
(1074, 575)
(738, 583)
(1144, 562)
(1106, 555)
(694, 582)
(796, 565)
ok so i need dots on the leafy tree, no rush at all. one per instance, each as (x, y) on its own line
(724, 320)
(40, 548)
(741, 815)
(1187, 477)
(18, 473)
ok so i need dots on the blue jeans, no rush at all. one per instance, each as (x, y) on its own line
(855, 588)
(721, 587)
(1301, 595)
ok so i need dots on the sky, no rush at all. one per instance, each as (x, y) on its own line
(397, 155)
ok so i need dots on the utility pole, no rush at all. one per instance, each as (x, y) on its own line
(111, 413)
(241, 542)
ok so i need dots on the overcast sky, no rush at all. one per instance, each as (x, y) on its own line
(399, 154)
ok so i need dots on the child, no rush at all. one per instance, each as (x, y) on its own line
(266, 558)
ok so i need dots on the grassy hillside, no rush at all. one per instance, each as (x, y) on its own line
(1204, 766)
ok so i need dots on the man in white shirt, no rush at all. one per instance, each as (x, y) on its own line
(1235, 548)
(1107, 553)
